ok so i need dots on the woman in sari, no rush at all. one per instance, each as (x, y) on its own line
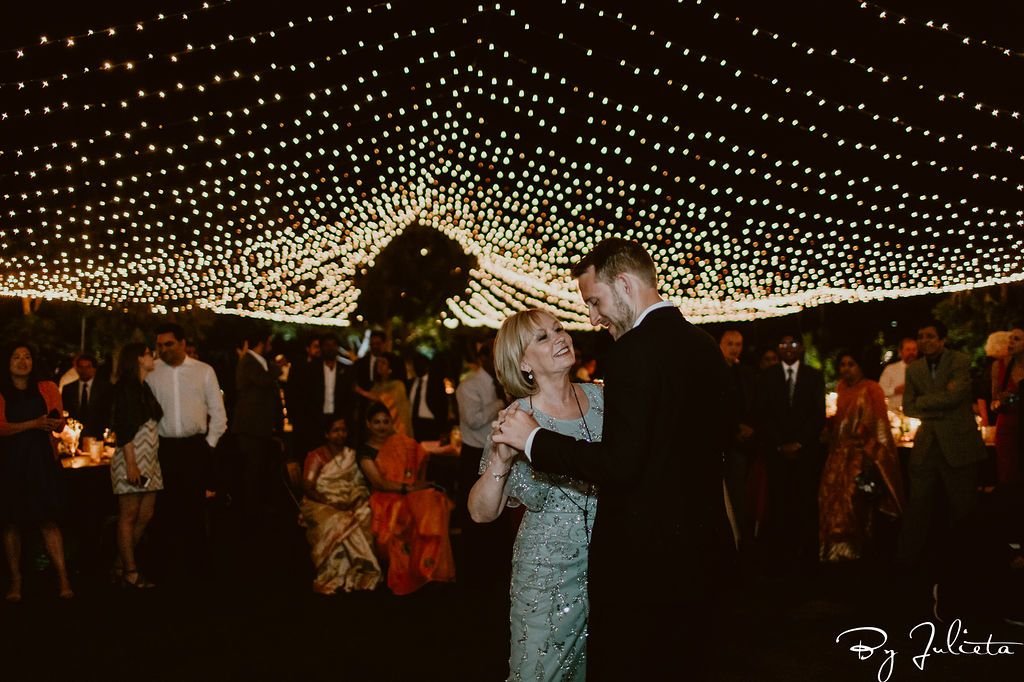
(862, 473)
(391, 392)
(336, 511)
(410, 515)
(1007, 376)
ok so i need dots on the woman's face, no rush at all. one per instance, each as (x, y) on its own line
(380, 425)
(550, 351)
(21, 362)
(146, 361)
(338, 433)
(849, 370)
(383, 369)
(1015, 344)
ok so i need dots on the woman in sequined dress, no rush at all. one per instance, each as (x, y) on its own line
(533, 358)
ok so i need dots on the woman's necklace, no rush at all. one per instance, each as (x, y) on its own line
(585, 508)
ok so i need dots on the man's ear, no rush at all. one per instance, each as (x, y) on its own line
(625, 283)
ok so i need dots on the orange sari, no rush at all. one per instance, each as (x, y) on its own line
(861, 444)
(411, 530)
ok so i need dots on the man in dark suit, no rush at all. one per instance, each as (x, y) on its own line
(790, 416)
(88, 399)
(321, 389)
(661, 506)
(739, 455)
(947, 446)
(255, 423)
(428, 401)
(365, 367)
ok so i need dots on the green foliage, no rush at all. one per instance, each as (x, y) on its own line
(412, 277)
(972, 315)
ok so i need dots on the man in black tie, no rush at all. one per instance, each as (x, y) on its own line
(740, 454)
(790, 417)
(87, 400)
(429, 402)
(659, 468)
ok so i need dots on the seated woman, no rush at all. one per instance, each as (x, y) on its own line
(336, 510)
(410, 516)
(862, 472)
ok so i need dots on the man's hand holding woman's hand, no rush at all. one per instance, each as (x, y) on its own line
(513, 427)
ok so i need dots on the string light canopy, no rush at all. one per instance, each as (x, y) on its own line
(769, 161)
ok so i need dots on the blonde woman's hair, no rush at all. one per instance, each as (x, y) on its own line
(997, 345)
(515, 334)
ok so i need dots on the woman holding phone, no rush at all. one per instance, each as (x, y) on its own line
(30, 476)
(135, 469)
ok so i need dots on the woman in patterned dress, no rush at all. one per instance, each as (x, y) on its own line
(135, 469)
(31, 485)
(533, 358)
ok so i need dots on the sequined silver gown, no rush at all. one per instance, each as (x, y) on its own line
(549, 562)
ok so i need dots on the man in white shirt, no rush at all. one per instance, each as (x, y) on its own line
(428, 401)
(894, 376)
(194, 421)
(485, 548)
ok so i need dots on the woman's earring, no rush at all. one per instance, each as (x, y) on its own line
(529, 376)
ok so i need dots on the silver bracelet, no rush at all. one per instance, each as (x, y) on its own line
(499, 477)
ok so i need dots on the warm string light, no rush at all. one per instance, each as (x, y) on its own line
(110, 31)
(110, 66)
(221, 76)
(884, 76)
(940, 27)
(815, 98)
(279, 227)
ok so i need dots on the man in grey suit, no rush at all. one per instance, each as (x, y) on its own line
(948, 445)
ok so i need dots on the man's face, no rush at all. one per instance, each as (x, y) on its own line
(606, 303)
(313, 349)
(732, 347)
(908, 351)
(329, 349)
(376, 346)
(171, 350)
(928, 341)
(791, 349)
(86, 370)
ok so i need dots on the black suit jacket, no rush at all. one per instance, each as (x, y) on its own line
(306, 396)
(258, 399)
(361, 369)
(97, 417)
(778, 422)
(437, 399)
(659, 465)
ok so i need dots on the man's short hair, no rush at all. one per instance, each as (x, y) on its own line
(171, 328)
(329, 336)
(613, 257)
(905, 339)
(941, 329)
(86, 357)
(730, 330)
(377, 333)
(257, 335)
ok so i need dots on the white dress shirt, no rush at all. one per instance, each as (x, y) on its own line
(894, 376)
(191, 400)
(330, 378)
(478, 407)
(422, 410)
(636, 323)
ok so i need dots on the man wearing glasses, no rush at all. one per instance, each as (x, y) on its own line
(790, 418)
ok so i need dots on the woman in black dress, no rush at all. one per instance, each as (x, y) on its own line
(30, 476)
